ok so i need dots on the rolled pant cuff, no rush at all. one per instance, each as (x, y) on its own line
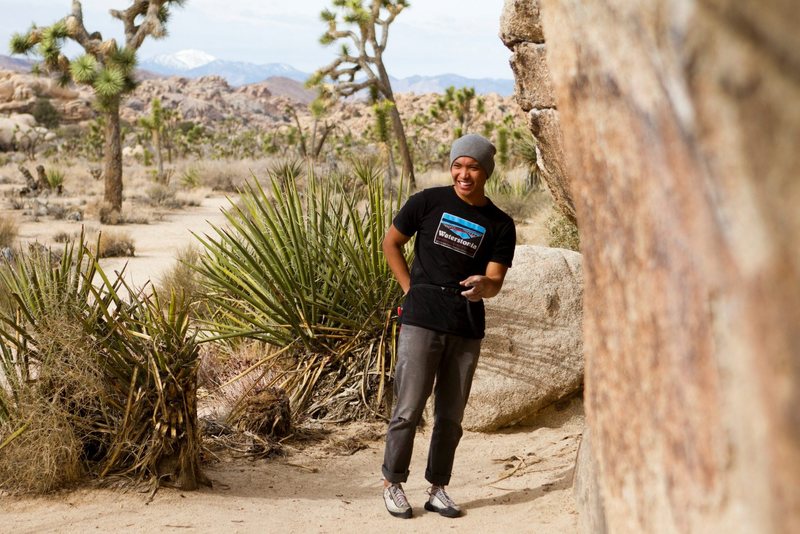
(437, 480)
(394, 478)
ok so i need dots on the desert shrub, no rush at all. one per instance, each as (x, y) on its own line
(75, 354)
(114, 244)
(55, 178)
(225, 176)
(305, 270)
(563, 232)
(163, 196)
(62, 237)
(190, 178)
(45, 455)
(109, 215)
(515, 197)
(160, 195)
(182, 279)
(9, 229)
(45, 113)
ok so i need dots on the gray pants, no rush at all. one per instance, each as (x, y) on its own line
(424, 357)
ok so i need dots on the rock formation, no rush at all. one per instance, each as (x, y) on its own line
(521, 31)
(680, 123)
(210, 100)
(533, 351)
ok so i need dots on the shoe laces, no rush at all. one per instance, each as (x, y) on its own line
(398, 495)
(442, 495)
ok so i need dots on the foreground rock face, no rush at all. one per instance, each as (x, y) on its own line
(533, 353)
(680, 123)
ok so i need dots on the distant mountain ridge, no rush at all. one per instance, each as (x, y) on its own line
(196, 63)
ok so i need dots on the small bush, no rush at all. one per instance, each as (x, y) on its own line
(513, 196)
(160, 195)
(563, 232)
(55, 178)
(109, 215)
(45, 114)
(190, 178)
(114, 245)
(9, 229)
(62, 237)
(182, 279)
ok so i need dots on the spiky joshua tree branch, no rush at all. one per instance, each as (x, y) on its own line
(363, 31)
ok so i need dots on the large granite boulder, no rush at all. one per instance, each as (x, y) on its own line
(680, 122)
(9, 126)
(533, 352)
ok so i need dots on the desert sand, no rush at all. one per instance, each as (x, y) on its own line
(519, 480)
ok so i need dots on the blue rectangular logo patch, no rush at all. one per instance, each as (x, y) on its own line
(459, 234)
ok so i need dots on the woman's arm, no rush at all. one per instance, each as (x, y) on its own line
(393, 244)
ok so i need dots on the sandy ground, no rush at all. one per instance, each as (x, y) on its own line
(514, 481)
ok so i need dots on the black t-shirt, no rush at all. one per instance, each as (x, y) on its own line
(455, 240)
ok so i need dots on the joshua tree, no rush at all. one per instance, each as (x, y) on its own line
(105, 66)
(368, 31)
(320, 129)
(457, 105)
(155, 124)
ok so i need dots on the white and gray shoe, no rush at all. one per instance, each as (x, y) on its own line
(440, 502)
(396, 501)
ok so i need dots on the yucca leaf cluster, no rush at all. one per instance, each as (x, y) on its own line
(300, 264)
(96, 378)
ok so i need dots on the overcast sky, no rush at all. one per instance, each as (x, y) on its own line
(430, 37)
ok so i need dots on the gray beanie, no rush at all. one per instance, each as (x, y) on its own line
(478, 148)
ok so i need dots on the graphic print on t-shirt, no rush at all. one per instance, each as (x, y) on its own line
(459, 234)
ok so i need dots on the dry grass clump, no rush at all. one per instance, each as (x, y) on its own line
(219, 175)
(56, 462)
(64, 387)
(63, 237)
(9, 229)
(182, 279)
(511, 193)
(113, 244)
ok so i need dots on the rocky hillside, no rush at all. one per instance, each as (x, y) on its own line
(210, 99)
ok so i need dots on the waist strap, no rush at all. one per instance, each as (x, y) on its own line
(453, 291)
(444, 289)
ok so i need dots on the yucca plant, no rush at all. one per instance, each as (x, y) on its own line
(92, 383)
(305, 269)
(55, 179)
(515, 197)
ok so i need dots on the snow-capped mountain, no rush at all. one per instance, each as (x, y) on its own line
(180, 61)
(196, 63)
